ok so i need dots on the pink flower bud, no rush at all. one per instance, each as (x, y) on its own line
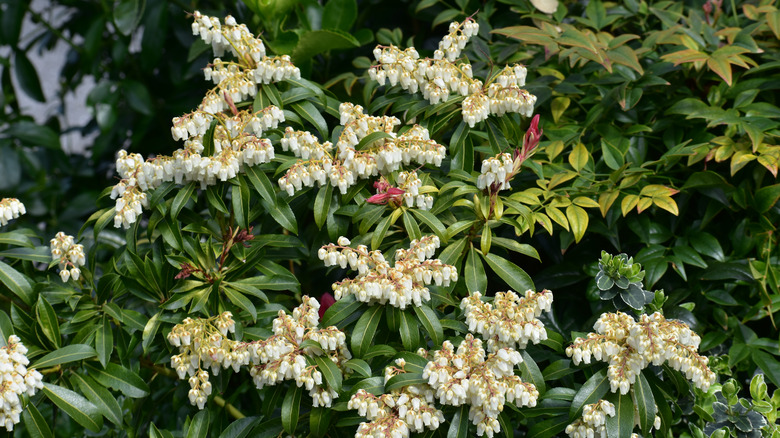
(326, 300)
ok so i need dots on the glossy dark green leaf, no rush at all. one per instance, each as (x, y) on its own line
(645, 404)
(75, 406)
(433, 223)
(240, 428)
(550, 427)
(404, 379)
(365, 330)
(769, 365)
(104, 341)
(66, 354)
(199, 426)
(240, 198)
(431, 324)
(262, 184)
(314, 42)
(27, 76)
(593, 390)
(410, 333)
(359, 366)
(411, 227)
(339, 14)
(36, 425)
(340, 310)
(707, 244)
(127, 15)
(282, 214)
(474, 273)
(120, 378)
(530, 373)
(322, 204)
(330, 371)
(514, 276)
(47, 320)
(459, 427)
(6, 328)
(291, 408)
(99, 396)
(319, 420)
(241, 301)
(622, 423)
(16, 283)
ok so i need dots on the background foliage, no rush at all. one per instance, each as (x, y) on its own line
(660, 141)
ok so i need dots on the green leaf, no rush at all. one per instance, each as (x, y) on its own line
(768, 364)
(622, 424)
(36, 425)
(290, 408)
(359, 366)
(513, 245)
(340, 310)
(6, 328)
(47, 320)
(150, 330)
(262, 184)
(240, 197)
(381, 230)
(199, 427)
(282, 214)
(100, 397)
(66, 354)
(612, 156)
(104, 341)
(410, 334)
(319, 421)
(592, 391)
(339, 14)
(14, 238)
(707, 244)
(645, 404)
(514, 276)
(77, 407)
(404, 379)
(476, 280)
(322, 205)
(41, 254)
(16, 283)
(127, 15)
(240, 428)
(766, 197)
(27, 76)
(578, 220)
(330, 371)
(120, 378)
(433, 223)
(412, 229)
(431, 324)
(241, 301)
(365, 330)
(308, 111)
(549, 428)
(530, 372)
(374, 137)
(459, 428)
(314, 42)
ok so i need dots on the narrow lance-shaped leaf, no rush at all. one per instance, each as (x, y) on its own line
(76, 406)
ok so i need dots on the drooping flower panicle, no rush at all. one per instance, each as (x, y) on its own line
(236, 140)
(409, 409)
(399, 285)
(68, 255)
(466, 375)
(628, 346)
(10, 208)
(438, 77)
(343, 165)
(511, 321)
(15, 380)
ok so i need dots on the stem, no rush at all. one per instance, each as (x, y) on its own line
(51, 370)
(231, 410)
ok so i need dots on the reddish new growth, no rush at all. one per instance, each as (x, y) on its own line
(186, 270)
(385, 193)
(530, 141)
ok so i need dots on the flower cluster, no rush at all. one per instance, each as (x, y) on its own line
(10, 208)
(440, 76)
(377, 282)
(15, 380)
(281, 356)
(511, 321)
(343, 165)
(236, 141)
(410, 409)
(465, 375)
(203, 344)
(629, 346)
(497, 170)
(591, 424)
(408, 192)
(68, 255)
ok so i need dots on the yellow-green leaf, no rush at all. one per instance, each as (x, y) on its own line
(578, 218)
(667, 203)
(579, 156)
(558, 106)
(628, 203)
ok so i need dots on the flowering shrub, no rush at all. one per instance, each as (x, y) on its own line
(474, 179)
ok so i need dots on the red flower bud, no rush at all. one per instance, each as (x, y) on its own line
(326, 300)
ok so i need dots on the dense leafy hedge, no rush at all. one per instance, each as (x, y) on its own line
(410, 175)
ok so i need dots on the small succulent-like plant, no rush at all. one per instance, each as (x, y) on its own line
(741, 417)
(620, 280)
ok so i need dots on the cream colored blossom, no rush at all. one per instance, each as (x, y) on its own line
(628, 346)
(16, 380)
(377, 281)
(10, 208)
(68, 255)
(510, 321)
(467, 375)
